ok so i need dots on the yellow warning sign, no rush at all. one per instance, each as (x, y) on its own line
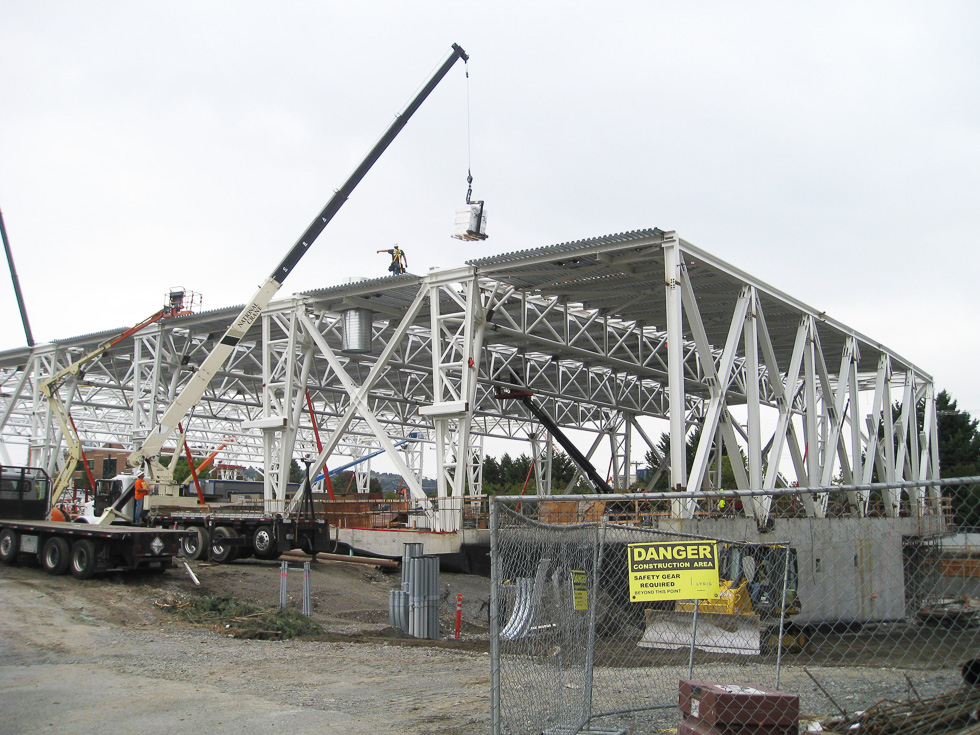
(673, 570)
(580, 589)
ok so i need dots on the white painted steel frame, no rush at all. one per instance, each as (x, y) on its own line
(586, 326)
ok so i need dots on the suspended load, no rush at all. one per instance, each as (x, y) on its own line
(471, 220)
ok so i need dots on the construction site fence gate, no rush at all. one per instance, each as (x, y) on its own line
(604, 609)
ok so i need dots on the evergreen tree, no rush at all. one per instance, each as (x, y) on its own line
(509, 474)
(297, 472)
(728, 481)
(959, 439)
(959, 456)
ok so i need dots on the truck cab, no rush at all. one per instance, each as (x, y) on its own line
(24, 493)
(107, 492)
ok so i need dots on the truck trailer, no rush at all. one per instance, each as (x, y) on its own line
(219, 532)
(82, 549)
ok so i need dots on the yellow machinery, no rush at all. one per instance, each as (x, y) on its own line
(749, 611)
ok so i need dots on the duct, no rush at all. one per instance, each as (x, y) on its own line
(415, 607)
(527, 600)
(423, 597)
(358, 330)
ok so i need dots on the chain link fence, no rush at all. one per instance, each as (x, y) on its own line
(611, 614)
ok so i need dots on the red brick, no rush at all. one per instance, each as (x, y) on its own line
(727, 703)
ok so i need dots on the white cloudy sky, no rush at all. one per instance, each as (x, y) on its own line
(832, 149)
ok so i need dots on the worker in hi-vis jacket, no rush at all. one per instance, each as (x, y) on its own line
(398, 260)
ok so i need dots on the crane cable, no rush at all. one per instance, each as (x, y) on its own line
(469, 144)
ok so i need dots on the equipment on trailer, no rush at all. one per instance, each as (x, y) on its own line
(471, 221)
(747, 615)
(179, 303)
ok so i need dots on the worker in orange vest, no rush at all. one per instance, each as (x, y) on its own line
(140, 491)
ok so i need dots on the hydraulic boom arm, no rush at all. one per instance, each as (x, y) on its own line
(581, 461)
(50, 390)
(195, 387)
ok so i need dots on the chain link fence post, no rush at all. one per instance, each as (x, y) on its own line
(840, 598)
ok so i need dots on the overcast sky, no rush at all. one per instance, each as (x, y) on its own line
(831, 149)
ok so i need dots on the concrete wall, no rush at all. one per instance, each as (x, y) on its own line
(850, 569)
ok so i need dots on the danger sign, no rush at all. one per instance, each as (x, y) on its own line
(673, 570)
(580, 589)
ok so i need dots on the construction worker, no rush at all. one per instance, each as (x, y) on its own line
(398, 260)
(139, 492)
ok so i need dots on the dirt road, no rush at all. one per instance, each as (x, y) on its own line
(98, 656)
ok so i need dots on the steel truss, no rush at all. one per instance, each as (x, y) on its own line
(609, 335)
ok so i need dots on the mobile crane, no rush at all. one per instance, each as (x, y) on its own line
(268, 532)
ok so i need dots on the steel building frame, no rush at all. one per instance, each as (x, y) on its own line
(609, 334)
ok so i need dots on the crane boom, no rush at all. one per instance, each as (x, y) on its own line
(196, 386)
(16, 281)
(51, 386)
(580, 460)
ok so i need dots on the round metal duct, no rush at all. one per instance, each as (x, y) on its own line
(358, 330)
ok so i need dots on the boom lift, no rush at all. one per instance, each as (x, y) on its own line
(180, 302)
(582, 462)
(147, 454)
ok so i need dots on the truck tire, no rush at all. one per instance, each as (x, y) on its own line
(264, 543)
(56, 555)
(194, 544)
(84, 559)
(9, 545)
(223, 553)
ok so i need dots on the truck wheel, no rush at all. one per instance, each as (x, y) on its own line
(56, 555)
(84, 559)
(9, 544)
(194, 544)
(223, 553)
(264, 543)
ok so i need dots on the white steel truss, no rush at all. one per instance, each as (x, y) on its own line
(609, 335)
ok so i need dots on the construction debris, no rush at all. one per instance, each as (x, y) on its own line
(957, 712)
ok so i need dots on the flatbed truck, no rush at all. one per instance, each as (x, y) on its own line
(82, 549)
(219, 532)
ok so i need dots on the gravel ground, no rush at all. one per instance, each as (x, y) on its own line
(78, 657)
